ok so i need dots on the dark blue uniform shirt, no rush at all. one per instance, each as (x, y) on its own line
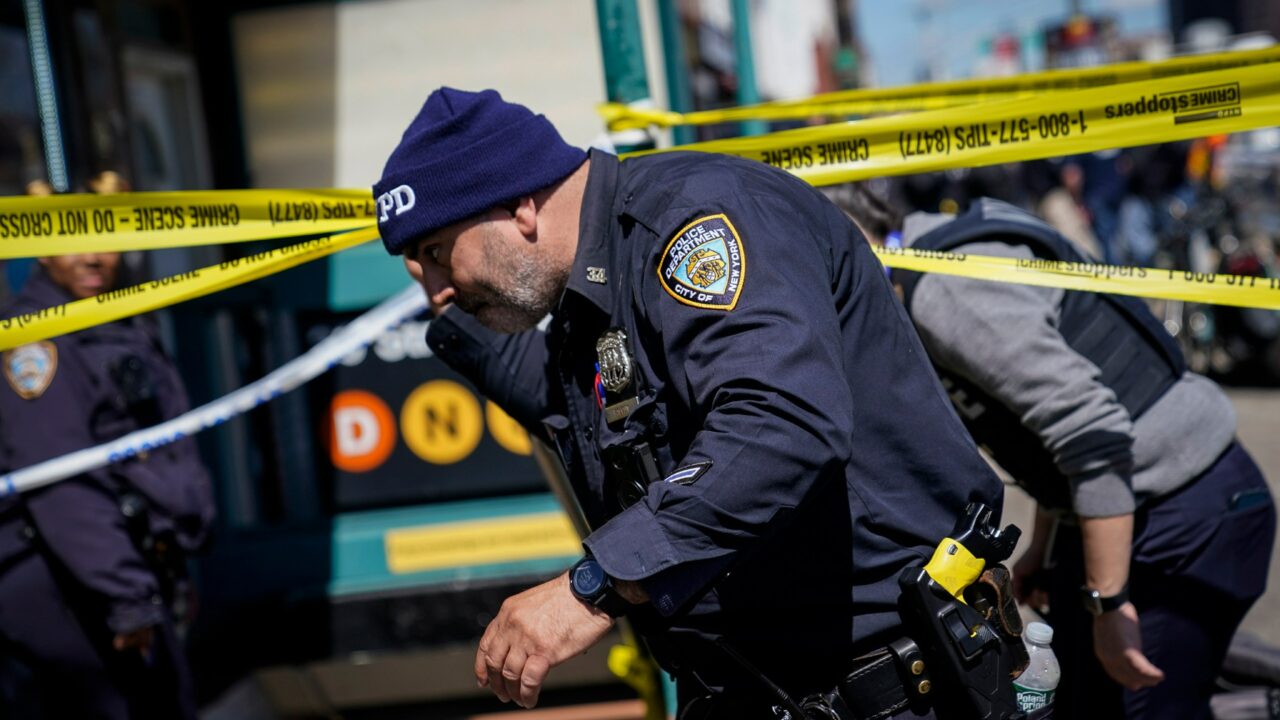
(809, 451)
(81, 390)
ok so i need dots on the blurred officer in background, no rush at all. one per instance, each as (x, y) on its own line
(1158, 524)
(34, 188)
(746, 416)
(90, 566)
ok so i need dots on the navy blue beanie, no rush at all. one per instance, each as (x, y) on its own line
(464, 154)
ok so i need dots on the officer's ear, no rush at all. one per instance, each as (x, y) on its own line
(524, 212)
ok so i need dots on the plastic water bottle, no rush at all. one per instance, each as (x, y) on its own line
(1034, 688)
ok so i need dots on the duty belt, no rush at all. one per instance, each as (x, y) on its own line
(881, 683)
(887, 681)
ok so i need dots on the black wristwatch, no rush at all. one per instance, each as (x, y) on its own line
(1096, 604)
(592, 585)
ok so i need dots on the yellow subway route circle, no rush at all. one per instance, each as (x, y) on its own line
(441, 422)
(508, 433)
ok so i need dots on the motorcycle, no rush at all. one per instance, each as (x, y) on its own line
(1205, 236)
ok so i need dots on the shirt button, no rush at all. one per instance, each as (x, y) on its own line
(587, 433)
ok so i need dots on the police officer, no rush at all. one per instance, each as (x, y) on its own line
(744, 412)
(1159, 524)
(89, 565)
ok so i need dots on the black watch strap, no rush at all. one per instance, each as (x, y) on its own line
(613, 604)
(1097, 604)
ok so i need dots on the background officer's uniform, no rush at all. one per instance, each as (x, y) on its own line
(805, 451)
(72, 574)
(1086, 401)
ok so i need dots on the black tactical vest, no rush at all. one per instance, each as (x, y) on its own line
(1138, 359)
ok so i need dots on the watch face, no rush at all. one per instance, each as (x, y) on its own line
(588, 579)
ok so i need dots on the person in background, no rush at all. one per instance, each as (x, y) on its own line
(1106, 181)
(1064, 208)
(1156, 522)
(108, 182)
(90, 565)
(13, 272)
(39, 188)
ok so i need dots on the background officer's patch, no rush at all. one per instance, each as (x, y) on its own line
(704, 264)
(30, 368)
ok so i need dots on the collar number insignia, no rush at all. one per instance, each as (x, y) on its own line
(597, 275)
(704, 264)
(30, 368)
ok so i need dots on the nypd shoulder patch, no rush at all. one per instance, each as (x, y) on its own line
(30, 368)
(704, 264)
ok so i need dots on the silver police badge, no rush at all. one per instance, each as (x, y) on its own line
(615, 362)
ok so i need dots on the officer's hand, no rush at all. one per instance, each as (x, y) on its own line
(1117, 641)
(140, 640)
(1028, 574)
(533, 632)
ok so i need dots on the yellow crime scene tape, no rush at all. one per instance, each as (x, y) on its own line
(156, 294)
(935, 96)
(1063, 123)
(1161, 283)
(68, 224)
(1066, 123)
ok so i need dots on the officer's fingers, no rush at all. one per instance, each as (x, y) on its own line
(509, 676)
(535, 672)
(493, 673)
(493, 669)
(1131, 669)
(480, 667)
(490, 656)
(1143, 671)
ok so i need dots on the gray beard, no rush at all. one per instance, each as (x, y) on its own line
(522, 289)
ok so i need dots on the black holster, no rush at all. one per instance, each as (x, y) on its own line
(971, 650)
(161, 550)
